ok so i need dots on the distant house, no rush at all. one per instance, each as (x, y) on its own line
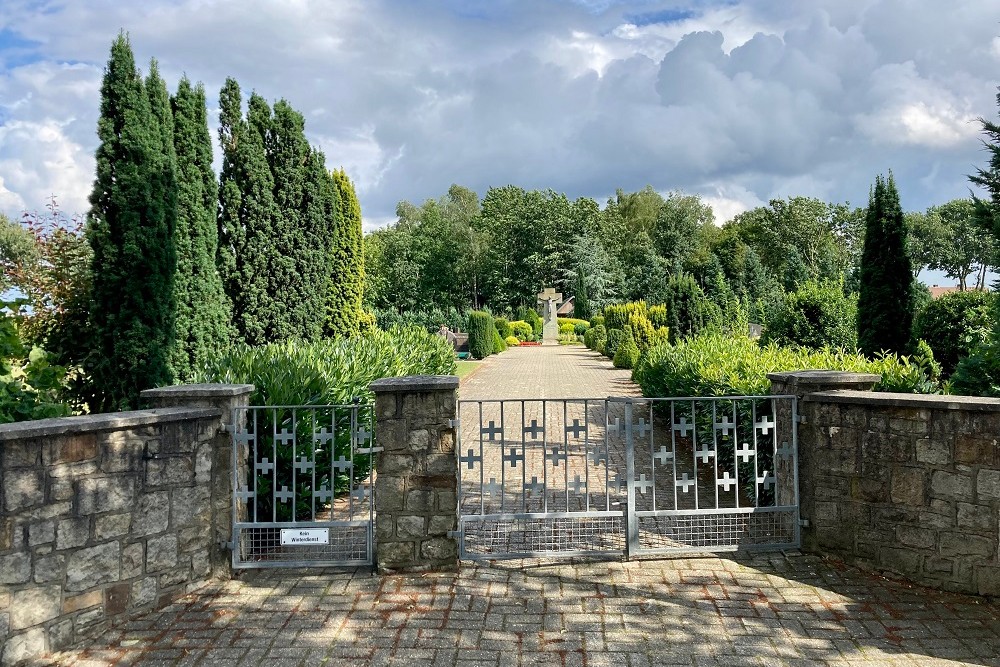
(937, 292)
(566, 309)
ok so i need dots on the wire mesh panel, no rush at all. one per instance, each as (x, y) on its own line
(302, 477)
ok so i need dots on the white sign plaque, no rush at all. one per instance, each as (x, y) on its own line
(299, 537)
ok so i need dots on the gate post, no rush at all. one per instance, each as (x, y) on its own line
(416, 486)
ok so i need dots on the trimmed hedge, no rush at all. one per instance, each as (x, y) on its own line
(954, 325)
(481, 330)
(627, 353)
(615, 337)
(521, 330)
(512, 341)
(498, 344)
(503, 327)
(815, 315)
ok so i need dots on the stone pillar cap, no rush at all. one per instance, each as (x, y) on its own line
(824, 377)
(206, 390)
(414, 383)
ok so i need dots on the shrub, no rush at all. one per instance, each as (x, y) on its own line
(954, 325)
(616, 315)
(581, 328)
(642, 333)
(597, 320)
(503, 327)
(521, 330)
(30, 387)
(979, 373)
(627, 353)
(481, 330)
(531, 316)
(688, 311)
(498, 344)
(614, 339)
(577, 323)
(817, 314)
(512, 341)
(588, 338)
(714, 364)
(657, 316)
(599, 335)
(566, 329)
(429, 320)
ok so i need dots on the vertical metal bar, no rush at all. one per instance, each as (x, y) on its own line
(524, 464)
(295, 490)
(371, 488)
(673, 448)
(274, 469)
(545, 470)
(350, 471)
(333, 455)
(652, 461)
(607, 456)
(586, 453)
(237, 486)
(253, 468)
(715, 446)
(459, 495)
(480, 403)
(482, 463)
(312, 444)
(736, 457)
(756, 451)
(631, 520)
(795, 468)
(566, 449)
(694, 448)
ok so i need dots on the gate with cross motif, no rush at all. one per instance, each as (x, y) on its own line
(302, 480)
(627, 476)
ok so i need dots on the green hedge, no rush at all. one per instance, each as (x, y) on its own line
(954, 325)
(481, 330)
(815, 315)
(30, 387)
(503, 326)
(715, 364)
(627, 353)
(615, 337)
(521, 330)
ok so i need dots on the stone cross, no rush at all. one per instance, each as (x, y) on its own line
(551, 300)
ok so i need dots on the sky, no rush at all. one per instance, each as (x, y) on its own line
(739, 101)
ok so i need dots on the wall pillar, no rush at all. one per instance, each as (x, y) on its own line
(416, 484)
(811, 442)
(219, 466)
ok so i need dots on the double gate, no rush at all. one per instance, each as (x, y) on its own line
(632, 476)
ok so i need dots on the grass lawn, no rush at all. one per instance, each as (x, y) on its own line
(466, 367)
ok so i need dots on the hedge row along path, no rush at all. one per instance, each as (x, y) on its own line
(767, 609)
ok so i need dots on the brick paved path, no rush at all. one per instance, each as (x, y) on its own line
(765, 610)
(772, 609)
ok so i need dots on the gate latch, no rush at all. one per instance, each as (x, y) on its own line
(455, 423)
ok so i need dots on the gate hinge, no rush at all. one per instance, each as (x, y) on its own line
(802, 419)
(223, 544)
(227, 428)
(455, 423)
(804, 523)
(455, 534)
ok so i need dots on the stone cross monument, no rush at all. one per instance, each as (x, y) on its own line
(550, 300)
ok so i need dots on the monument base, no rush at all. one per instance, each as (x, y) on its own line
(550, 334)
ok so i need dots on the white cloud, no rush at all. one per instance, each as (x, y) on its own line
(728, 201)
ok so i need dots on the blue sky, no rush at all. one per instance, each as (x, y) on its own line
(737, 101)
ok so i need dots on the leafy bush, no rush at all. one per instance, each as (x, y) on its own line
(616, 315)
(512, 341)
(597, 320)
(614, 339)
(689, 312)
(627, 353)
(503, 327)
(979, 373)
(531, 316)
(579, 326)
(30, 387)
(954, 325)
(498, 344)
(565, 329)
(481, 330)
(588, 338)
(714, 364)
(642, 333)
(816, 315)
(430, 320)
(521, 330)
(657, 316)
(598, 337)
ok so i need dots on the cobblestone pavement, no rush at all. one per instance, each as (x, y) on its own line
(763, 610)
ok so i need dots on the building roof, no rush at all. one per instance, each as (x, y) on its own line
(566, 308)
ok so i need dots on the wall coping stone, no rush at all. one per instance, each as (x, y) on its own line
(824, 377)
(414, 384)
(40, 428)
(894, 400)
(198, 391)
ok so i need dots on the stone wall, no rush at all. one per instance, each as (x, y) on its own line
(106, 515)
(903, 483)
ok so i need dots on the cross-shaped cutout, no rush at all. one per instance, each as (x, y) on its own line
(264, 465)
(726, 481)
(556, 457)
(642, 484)
(492, 489)
(534, 486)
(324, 436)
(785, 451)
(577, 428)
(323, 494)
(284, 495)
(244, 437)
(578, 484)
(764, 425)
(684, 483)
(245, 495)
(683, 427)
(360, 493)
(616, 484)
(725, 426)
(534, 430)
(766, 480)
(303, 465)
(471, 459)
(491, 431)
(642, 427)
(598, 456)
(745, 452)
(614, 426)
(704, 453)
(663, 456)
(342, 464)
(284, 437)
(513, 457)
(361, 436)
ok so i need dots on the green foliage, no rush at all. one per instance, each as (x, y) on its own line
(503, 327)
(815, 315)
(617, 315)
(954, 325)
(347, 257)
(481, 330)
(598, 337)
(627, 353)
(948, 238)
(688, 311)
(885, 315)
(498, 343)
(512, 341)
(202, 314)
(30, 386)
(431, 320)
(979, 373)
(714, 364)
(566, 328)
(614, 339)
(575, 321)
(597, 320)
(581, 301)
(521, 330)
(657, 316)
(17, 249)
(588, 338)
(531, 316)
(131, 231)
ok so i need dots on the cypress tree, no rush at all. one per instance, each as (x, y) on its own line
(202, 318)
(343, 306)
(131, 229)
(581, 304)
(885, 307)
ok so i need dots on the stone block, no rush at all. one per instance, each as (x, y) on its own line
(6, 534)
(203, 464)
(825, 512)
(73, 471)
(152, 515)
(988, 484)
(904, 561)
(41, 532)
(73, 533)
(973, 450)
(419, 500)
(939, 566)
(383, 526)
(907, 486)
(393, 463)
(21, 454)
(908, 426)
(105, 494)
(83, 601)
(116, 599)
(396, 554)
(23, 489)
(161, 553)
(169, 472)
(93, 566)
(441, 464)
(111, 525)
(133, 557)
(977, 518)
(60, 488)
(144, 592)
(75, 448)
(411, 527)
(49, 568)
(933, 451)
(190, 505)
(963, 544)
(834, 538)
(34, 605)
(938, 521)
(15, 568)
(24, 646)
(90, 618)
(867, 490)
(418, 440)
(440, 525)
(446, 441)
(920, 538)
(950, 485)
(120, 451)
(201, 564)
(174, 577)
(61, 635)
(988, 580)
(440, 549)
(447, 501)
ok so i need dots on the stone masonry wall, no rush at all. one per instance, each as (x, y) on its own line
(904, 483)
(104, 516)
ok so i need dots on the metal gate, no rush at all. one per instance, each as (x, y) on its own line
(302, 480)
(632, 476)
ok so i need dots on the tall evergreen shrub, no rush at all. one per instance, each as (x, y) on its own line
(581, 301)
(688, 311)
(481, 330)
(347, 275)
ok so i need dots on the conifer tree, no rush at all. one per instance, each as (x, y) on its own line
(581, 302)
(343, 306)
(885, 307)
(202, 316)
(130, 228)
